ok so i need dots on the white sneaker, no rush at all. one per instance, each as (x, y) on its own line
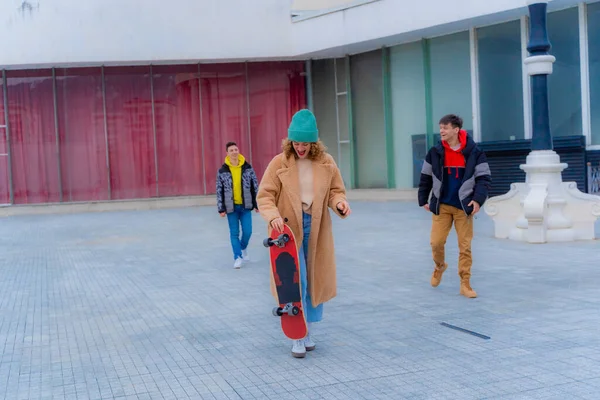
(245, 255)
(238, 263)
(309, 344)
(298, 349)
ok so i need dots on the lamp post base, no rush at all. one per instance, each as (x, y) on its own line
(544, 208)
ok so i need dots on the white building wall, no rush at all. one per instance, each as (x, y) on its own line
(64, 32)
(131, 31)
(390, 22)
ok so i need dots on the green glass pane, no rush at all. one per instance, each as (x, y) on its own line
(369, 124)
(324, 97)
(564, 85)
(407, 83)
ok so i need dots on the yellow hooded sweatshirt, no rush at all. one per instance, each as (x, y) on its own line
(236, 176)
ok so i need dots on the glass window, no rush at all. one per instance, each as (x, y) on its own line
(450, 66)
(311, 8)
(564, 85)
(80, 111)
(407, 83)
(224, 114)
(501, 82)
(130, 132)
(369, 125)
(169, 141)
(323, 80)
(35, 170)
(594, 55)
(178, 132)
(4, 170)
(276, 92)
(326, 112)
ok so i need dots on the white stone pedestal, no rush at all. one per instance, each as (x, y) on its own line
(544, 208)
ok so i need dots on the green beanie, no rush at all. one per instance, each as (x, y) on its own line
(303, 127)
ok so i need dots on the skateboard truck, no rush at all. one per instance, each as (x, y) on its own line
(281, 240)
(289, 309)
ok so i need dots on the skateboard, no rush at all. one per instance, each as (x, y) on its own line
(285, 267)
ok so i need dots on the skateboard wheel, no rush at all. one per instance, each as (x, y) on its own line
(277, 311)
(267, 242)
(295, 311)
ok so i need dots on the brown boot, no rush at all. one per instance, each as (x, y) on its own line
(466, 290)
(436, 277)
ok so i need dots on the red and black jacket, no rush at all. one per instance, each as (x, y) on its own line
(455, 177)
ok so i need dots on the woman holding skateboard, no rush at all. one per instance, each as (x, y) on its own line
(297, 188)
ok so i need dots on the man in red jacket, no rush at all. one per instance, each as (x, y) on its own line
(457, 173)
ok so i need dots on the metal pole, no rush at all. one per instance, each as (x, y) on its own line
(106, 132)
(388, 118)
(202, 130)
(57, 134)
(8, 146)
(154, 130)
(589, 177)
(337, 112)
(65, 112)
(309, 85)
(539, 66)
(425, 46)
(248, 110)
(584, 67)
(351, 133)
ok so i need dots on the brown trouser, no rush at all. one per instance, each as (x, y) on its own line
(440, 228)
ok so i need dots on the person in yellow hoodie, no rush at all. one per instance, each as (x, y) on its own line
(237, 185)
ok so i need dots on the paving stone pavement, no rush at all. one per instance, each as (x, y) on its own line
(146, 305)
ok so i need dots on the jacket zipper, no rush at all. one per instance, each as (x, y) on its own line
(461, 183)
(461, 203)
(242, 186)
(442, 186)
(463, 207)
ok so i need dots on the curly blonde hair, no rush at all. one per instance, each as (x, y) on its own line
(316, 149)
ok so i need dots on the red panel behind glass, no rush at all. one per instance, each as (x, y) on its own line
(277, 91)
(4, 170)
(82, 136)
(195, 115)
(178, 130)
(224, 113)
(130, 132)
(33, 136)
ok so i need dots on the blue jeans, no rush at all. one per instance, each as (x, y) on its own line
(243, 216)
(313, 314)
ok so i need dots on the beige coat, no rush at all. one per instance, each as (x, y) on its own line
(279, 196)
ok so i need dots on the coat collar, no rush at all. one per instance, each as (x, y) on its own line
(288, 175)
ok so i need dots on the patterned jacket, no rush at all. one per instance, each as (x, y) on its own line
(225, 188)
(475, 184)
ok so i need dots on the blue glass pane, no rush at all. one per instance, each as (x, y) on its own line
(564, 85)
(451, 78)
(594, 55)
(501, 82)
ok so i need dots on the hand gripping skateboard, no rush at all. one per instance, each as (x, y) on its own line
(285, 268)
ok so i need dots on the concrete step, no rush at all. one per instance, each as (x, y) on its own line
(178, 202)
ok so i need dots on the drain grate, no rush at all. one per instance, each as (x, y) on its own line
(457, 328)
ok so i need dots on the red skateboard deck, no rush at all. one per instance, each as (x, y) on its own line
(285, 267)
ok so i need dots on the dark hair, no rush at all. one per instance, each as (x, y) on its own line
(452, 119)
(229, 144)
